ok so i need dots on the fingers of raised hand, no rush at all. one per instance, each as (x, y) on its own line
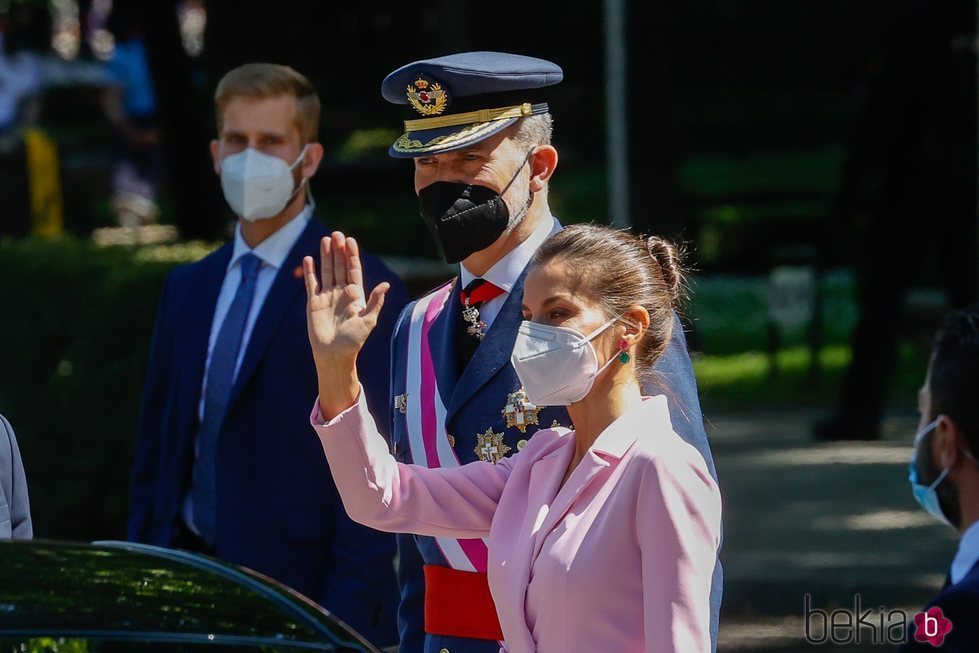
(309, 276)
(374, 304)
(339, 258)
(355, 272)
(326, 263)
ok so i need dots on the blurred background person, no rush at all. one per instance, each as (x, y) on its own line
(15, 513)
(131, 108)
(945, 479)
(225, 461)
(26, 38)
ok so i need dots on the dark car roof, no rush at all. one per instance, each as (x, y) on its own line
(132, 591)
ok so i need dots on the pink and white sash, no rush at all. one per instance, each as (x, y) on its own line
(425, 419)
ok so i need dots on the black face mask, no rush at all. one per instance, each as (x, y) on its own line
(465, 218)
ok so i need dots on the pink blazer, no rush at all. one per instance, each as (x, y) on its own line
(618, 559)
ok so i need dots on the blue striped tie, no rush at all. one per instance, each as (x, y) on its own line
(217, 393)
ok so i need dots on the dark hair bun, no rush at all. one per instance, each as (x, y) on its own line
(669, 258)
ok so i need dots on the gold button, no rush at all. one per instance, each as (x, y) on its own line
(521, 444)
(452, 443)
(445, 650)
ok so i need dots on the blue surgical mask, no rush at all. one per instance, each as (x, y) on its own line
(927, 495)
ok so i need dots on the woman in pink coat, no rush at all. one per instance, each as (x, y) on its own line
(600, 539)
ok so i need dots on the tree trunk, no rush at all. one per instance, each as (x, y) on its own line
(198, 208)
(655, 143)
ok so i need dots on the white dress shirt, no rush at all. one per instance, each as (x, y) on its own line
(273, 252)
(507, 270)
(967, 554)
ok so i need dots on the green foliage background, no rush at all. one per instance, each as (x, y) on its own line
(74, 337)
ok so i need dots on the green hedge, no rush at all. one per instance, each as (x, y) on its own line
(74, 334)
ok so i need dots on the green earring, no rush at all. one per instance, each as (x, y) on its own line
(624, 356)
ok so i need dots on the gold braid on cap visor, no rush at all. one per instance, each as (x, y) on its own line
(478, 122)
(470, 117)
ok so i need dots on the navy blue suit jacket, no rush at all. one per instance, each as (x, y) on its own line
(278, 511)
(960, 605)
(473, 404)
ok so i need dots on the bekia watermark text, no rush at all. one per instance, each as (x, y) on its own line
(872, 626)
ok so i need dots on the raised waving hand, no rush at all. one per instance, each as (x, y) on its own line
(339, 317)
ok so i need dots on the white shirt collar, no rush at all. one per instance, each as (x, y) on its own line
(507, 270)
(967, 555)
(274, 249)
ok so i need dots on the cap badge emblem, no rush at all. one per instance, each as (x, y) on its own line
(428, 98)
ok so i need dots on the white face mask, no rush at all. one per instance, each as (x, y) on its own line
(257, 185)
(557, 366)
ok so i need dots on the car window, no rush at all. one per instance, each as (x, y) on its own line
(89, 589)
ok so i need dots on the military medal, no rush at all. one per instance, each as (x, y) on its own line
(519, 411)
(477, 293)
(401, 403)
(476, 326)
(490, 446)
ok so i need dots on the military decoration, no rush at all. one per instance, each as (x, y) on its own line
(427, 98)
(401, 403)
(519, 411)
(490, 446)
(477, 327)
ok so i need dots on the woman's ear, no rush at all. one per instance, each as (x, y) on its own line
(634, 323)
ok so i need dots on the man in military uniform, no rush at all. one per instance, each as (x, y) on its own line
(479, 133)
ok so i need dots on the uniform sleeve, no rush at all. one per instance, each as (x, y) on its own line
(678, 527)
(411, 609)
(380, 492)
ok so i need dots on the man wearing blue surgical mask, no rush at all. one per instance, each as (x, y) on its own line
(225, 460)
(944, 477)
